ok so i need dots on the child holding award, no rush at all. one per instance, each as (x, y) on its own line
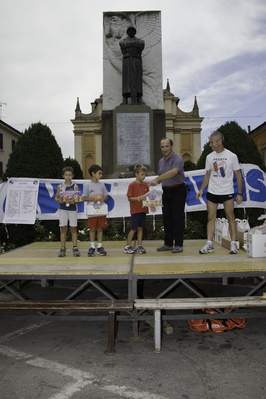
(67, 195)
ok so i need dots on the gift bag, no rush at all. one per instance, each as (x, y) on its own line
(95, 209)
(70, 195)
(153, 198)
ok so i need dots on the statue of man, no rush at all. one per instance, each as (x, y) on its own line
(132, 48)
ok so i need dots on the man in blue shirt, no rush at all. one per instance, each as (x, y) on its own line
(171, 175)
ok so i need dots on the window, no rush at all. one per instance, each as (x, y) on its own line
(1, 170)
(1, 141)
(13, 144)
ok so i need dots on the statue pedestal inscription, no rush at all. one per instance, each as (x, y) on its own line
(133, 138)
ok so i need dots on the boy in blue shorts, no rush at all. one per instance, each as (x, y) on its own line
(136, 194)
(67, 211)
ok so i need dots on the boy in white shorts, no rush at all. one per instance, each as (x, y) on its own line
(67, 211)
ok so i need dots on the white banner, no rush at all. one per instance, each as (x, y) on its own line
(254, 194)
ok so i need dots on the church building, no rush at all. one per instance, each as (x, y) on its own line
(184, 128)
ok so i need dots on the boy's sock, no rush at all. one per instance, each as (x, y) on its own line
(92, 245)
(100, 244)
(209, 242)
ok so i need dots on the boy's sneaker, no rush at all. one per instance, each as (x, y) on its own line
(76, 251)
(129, 250)
(62, 252)
(101, 251)
(207, 249)
(233, 248)
(91, 251)
(141, 250)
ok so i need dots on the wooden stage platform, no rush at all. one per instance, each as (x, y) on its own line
(174, 273)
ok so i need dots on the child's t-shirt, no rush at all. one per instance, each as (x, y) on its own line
(137, 190)
(95, 190)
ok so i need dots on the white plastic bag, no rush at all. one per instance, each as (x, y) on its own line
(97, 209)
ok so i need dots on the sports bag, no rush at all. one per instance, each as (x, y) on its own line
(214, 325)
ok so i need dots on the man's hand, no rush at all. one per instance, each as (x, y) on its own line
(199, 194)
(154, 182)
(239, 199)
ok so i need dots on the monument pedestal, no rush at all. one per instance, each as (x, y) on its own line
(131, 135)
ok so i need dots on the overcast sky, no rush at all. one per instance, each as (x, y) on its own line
(51, 53)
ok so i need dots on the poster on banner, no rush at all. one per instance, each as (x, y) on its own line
(21, 201)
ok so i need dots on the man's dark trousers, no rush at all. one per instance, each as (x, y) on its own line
(173, 215)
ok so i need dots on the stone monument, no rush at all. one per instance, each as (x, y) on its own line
(133, 118)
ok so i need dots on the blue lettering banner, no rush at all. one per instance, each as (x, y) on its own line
(254, 194)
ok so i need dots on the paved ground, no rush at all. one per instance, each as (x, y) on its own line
(61, 360)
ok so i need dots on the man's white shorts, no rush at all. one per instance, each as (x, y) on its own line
(65, 216)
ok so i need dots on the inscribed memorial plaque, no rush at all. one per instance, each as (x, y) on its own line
(133, 139)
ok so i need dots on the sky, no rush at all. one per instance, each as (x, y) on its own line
(51, 53)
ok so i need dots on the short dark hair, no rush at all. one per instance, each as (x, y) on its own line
(68, 169)
(170, 141)
(94, 169)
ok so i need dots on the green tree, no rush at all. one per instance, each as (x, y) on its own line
(189, 165)
(238, 141)
(36, 154)
(78, 174)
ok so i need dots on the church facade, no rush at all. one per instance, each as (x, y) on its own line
(184, 128)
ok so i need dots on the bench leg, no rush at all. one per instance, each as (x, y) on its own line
(157, 331)
(111, 333)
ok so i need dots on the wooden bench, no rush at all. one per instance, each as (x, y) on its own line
(110, 306)
(157, 305)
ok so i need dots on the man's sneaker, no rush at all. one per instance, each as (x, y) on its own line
(233, 248)
(62, 252)
(91, 251)
(141, 250)
(207, 249)
(129, 250)
(101, 251)
(76, 251)
(165, 248)
(177, 249)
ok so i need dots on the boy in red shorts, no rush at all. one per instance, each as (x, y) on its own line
(96, 192)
